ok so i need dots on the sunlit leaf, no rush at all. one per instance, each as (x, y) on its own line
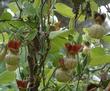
(36, 4)
(99, 57)
(6, 16)
(6, 36)
(29, 10)
(32, 35)
(54, 58)
(71, 24)
(100, 60)
(57, 44)
(97, 51)
(94, 6)
(106, 39)
(54, 34)
(4, 26)
(13, 7)
(64, 10)
(7, 77)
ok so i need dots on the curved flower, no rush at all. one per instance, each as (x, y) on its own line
(13, 45)
(73, 49)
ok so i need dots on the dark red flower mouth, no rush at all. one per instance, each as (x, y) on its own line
(73, 49)
(21, 83)
(13, 44)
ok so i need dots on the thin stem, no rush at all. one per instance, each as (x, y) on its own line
(78, 83)
(49, 4)
(3, 37)
(20, 9)
(43, 3)
(43, 74)
(81, 74)
(46, 53)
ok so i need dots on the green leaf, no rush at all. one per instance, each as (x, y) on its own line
(64, 10)
(98, 56)
(54, 58)
(100, 60)
(86, 30)
(32, 35)
(29, 10)
(94, 6)
(17, 24)
(46, 9)
(21, 24)
(79, 68)
(49, 73)
(13, 7)
(1, 8)
(23, 62)
(11, 89)
(71, 24)
(2, 67)
(4, 26)
(6, 16)
(54, 34)
(6, 37)
(57, 44)
(78, 37)
(36, 4)
(106, 39)
(7, 77)
(97, 51)
(58, 39)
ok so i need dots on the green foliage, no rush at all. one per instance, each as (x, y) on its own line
(94, 6)
(71, 23)
(28, 10)
(4, 26)
(36, 4)
(55, 34)
(13, 7)
(106, 39)
(99, 57)
(64, 10)
(7, 77)
(32, 35)
(58, 39)
(6, 37)
(2, 67)
(6, 16)
(57, 44)
(54, 58)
